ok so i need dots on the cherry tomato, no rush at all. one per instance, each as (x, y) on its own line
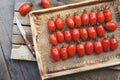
(83, 33)
(70, 22)
(51, 25)
(106, 45)
(75, 34)
(71, 50)
(59, 22)
(25, 8)
(100, 17)
(67, 35)
(46, 3)
(55, 54)
(89, 48)
(64, 53)
(60, 36)
(98, 47)
(93, 18)
(108, 15)
(85, 19)
(113, 43)
(100, 31)
(53, 39)
(80, 49)
(111, 26)
(77, 20)
(92, 32)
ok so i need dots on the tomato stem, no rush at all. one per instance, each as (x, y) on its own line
(58, 15)
(112, 36)
(31, 4)
(76, 12)
(85, 10)
(51, 18)
(92, 10)
(67, 15)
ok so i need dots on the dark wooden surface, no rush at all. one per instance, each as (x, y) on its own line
(23, 70)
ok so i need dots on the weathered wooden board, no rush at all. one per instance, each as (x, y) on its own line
(22, 53)
(4, 73)
(43, 55)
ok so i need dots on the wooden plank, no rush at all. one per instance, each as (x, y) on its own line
(24, 20)
(4, 73)
(17, 32)
(30, 70)
(21, 52)
(6, 23)
(17, 39)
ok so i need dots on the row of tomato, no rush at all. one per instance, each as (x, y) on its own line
(83, 33)
(85, 19)
(82, 49)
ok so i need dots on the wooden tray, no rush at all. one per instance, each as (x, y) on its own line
(47, 66)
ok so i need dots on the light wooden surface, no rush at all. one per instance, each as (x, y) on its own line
(24, 70)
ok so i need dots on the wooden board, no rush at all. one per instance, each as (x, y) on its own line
(42, 46)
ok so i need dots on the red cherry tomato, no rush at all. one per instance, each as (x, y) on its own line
(106, 45)
(59, 22)
(70, 23)
(93, 18)
(100, 31)
(51, 25)
(80, 49)
(89, 48)
(25, 8)
(113, 43)
(67, 35)
(111, 26)
(71, 50)
(64, 53)
(75, 34)
(84, 33)
(60, 36)
(53, 39)
(92, 32)
(85, 19)
(100, 17)
(77, 20)
(108, 15)
(55, 54)
(98, 47)
(46, 3)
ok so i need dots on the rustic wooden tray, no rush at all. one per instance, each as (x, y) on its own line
(47, 66)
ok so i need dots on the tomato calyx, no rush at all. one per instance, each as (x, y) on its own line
(85, 10)
(31, 4)
(51, 18)
(67, 15)
(76, 13)
(58, 15)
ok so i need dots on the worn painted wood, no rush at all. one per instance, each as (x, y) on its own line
(23, 19)
(17, 32)
(17, 39)
(4, 73)
(21, 52)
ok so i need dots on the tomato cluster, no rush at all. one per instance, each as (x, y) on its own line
(81, 49)
(97, 23)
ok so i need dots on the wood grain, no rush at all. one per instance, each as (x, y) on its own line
(17, 32)
(4, 73)
(18, 39)
(24, 20)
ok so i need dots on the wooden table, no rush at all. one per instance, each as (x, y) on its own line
(23, 70)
